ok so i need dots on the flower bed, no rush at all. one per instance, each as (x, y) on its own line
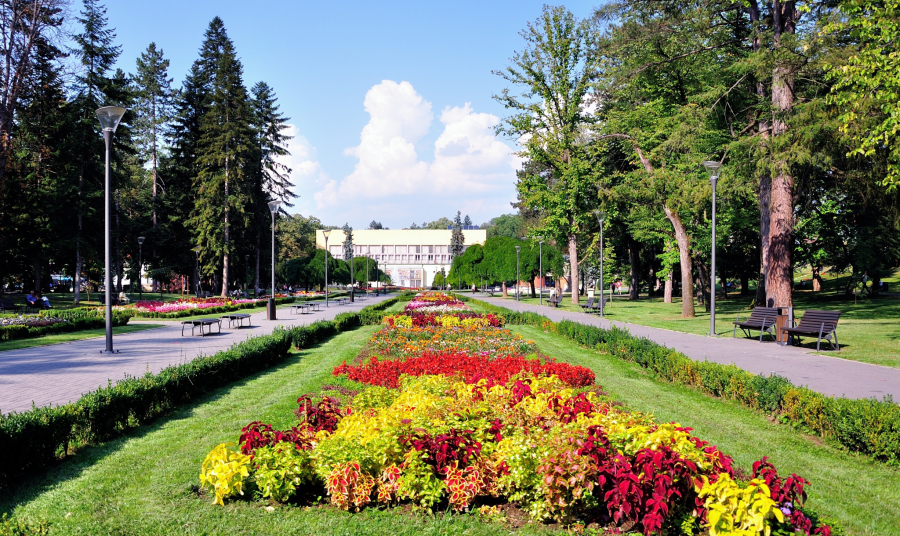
(560, 454)
(468, 427)
(435, 302)
(147, 306)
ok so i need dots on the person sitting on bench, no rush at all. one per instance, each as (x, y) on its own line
(37, 301)
(123, 298)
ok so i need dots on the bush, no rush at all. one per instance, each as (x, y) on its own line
(868, 426)
(78, 322)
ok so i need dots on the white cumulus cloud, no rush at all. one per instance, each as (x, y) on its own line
(471, 169)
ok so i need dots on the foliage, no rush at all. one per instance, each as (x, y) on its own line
(734, 509)
(280, 469)
(223, 472)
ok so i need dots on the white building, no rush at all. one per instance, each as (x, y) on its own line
(411, 257)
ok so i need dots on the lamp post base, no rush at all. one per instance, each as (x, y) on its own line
(270, 309)
(110, 351)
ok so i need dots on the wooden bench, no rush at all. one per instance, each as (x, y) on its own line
(302, 307)
(9, 306)
(761, 318)
(586, 307)
(316, 306)
(201, 322)
(817, 324)
(555, 301)
(236, 317)
(342, 301)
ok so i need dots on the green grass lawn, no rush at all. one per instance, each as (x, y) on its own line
(869, 329)
(863, 496)
(145, 483)
(74, 336)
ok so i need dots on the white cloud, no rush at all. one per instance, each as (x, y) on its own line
(472, 170)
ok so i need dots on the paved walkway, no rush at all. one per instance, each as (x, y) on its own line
(825, 374)
(60, 373)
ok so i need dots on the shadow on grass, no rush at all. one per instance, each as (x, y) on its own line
(31, 485)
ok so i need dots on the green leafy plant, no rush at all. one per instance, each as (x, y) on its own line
(223, 472)
(280, 469)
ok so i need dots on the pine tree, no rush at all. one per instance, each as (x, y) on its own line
(96, 53)
(226, 144)
(467, 222)
(153, 114)
(457, 239)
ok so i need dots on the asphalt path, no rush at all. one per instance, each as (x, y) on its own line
(823, 373)
(60, 373)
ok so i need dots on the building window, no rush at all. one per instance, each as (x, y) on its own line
(401, 249)
(431, 258)
(429, 249)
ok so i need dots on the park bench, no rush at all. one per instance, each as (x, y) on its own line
(586, 307)
(37, 306)
(597, 304)
(201, 323)
(302, 307)
(238, 318)
(204, 294)
(555, 300)
(761, 318)
(316, 306)
(9, 306)
(342, 301)
(817, 324)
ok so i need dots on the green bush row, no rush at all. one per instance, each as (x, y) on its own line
(18, 331)
(35, 438)
(867, 426)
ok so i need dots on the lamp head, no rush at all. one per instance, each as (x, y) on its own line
(110, 116)
(714, 169)
(141, 240)
(601, 215)
(196, 250)
(273, 206)
(517, 249)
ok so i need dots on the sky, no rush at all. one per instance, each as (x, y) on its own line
(390, 103)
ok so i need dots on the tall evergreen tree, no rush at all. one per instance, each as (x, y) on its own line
(153, 114)
(226, 144)
(467, 221)
(348, 242)
(96, 53)
(457, 239)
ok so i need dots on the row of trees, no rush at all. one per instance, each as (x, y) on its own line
(498, 262)
(193, 167)
(797, 100)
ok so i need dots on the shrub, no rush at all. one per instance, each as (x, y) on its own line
(280, 469)
(223, 472)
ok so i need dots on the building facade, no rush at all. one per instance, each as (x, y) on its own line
(411, 257)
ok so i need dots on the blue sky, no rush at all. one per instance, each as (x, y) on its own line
(390, 102)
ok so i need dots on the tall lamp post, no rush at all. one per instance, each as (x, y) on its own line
(273, 208)
(714, 168)
(352, 274)
(196, 251)
(109, 117)
(367, 273)
(140, 267)
(517, 272)
(541, 265)
(601, 217)
(326, 233)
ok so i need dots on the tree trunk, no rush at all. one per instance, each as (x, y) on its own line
(503, 286)
(723, 282)
(651, 280)
(634, 257)
(533, 293)
(667, 292)
(573, 267)
(765, 193)
(817, 280)
(687, 269)
(745, 284)
(256, 273)
(37, 274)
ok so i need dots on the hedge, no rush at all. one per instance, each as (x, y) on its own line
(76, 322)
(36, 438)
(867, 426)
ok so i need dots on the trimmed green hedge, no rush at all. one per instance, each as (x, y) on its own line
(868, 426)
(37, 437)
(76, 323)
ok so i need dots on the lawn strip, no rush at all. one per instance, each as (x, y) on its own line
(75, 336)
(845, 487)
(144, 482)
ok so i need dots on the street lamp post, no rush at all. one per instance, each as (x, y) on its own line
(367, 273)
(541, 265)
(140, 267)
(601, 217)
(273, 208)
(109, 117)
(714, 168)
(326, 233)
(517, 272)
(352, 273)
(196, 251)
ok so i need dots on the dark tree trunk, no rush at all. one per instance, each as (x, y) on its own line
(745, 284)
(634, 256)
